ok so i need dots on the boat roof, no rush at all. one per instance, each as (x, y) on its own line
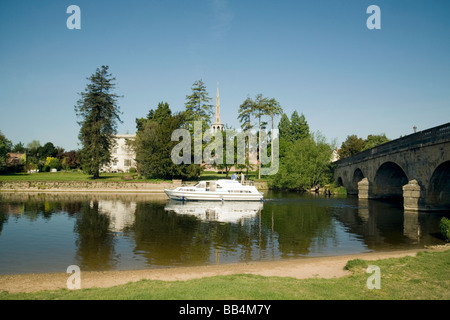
(223, 181)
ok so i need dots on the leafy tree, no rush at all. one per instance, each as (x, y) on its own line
(51, 163)
(153, 146)
(19, 147)
(162, 111)
(352, 145)
(47, 150)
(33, 147)
(291, 130)
(197, 107)
(305, 165)
(375, 140)
(99, 113)
(5, 147)
(70, 160)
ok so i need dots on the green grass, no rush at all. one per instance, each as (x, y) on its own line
(424, 277)
(79, 176)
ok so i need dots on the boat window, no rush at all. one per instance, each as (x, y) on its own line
(200, 185)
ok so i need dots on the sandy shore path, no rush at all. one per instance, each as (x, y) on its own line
(301, 268)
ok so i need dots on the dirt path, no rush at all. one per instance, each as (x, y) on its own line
(301, 268)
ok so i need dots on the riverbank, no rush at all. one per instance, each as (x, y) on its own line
(300, 268)
(43, 183)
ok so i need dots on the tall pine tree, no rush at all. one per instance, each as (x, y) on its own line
(99, 113)
(197, 107)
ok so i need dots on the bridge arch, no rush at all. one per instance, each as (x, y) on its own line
(389, 181)
(439, 189)
(358, 175)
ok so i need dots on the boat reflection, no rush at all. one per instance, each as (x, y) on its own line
(230, 211)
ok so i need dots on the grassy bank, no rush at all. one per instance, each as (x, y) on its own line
(424, 277)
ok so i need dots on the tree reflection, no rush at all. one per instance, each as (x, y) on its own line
(298, 226)
(95, 244)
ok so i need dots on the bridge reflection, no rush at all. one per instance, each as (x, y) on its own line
(377, 223)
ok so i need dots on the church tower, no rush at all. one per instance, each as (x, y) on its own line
(217, 125)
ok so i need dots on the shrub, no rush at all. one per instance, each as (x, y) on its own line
(444, 227)
(356, 264)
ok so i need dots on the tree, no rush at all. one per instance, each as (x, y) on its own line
(70, 160)
(272, 109)
(33, 147)
(153, 146)
(305, 165)
(375, 140)
(47, 150)
(99, 113)
(285, 135)
(245, 114)
(228, 138)
(299, 126)
(19, 147)
(5, 147)
(351, 146)
(291, 130)
(162, 111)
(257, 109)
(197, 107)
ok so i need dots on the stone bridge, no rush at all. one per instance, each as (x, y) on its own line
(415, 168)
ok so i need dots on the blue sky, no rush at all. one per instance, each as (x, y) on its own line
(316, 57)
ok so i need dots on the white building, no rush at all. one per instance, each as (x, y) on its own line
(123, 156)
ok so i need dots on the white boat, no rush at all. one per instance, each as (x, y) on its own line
(218, 190)
(216, 211)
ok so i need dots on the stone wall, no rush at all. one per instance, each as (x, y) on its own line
(95, 186)
(84, 186)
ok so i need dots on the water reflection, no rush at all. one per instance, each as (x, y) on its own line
(228, 211)
(47, 232)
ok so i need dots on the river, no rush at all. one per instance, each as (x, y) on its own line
(47, 232)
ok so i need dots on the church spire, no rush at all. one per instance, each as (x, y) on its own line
(217, 125)
(217, 107)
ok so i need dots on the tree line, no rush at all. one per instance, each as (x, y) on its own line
(303, 157)
(35, 156)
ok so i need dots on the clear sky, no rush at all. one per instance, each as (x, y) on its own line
(316, 57)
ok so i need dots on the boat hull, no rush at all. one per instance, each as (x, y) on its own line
(212, 196)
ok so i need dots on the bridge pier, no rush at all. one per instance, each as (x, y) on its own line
(412, 199)
(364, 189)
(412, 194)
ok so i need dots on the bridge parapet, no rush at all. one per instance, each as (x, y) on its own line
(415, 140)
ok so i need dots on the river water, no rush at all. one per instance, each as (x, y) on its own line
(43, 232)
